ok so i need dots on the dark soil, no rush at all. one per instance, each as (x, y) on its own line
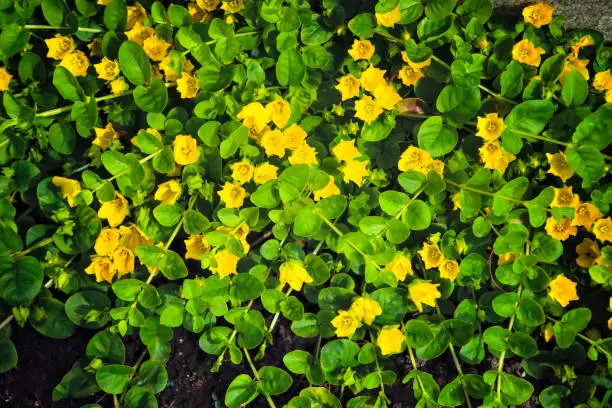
(44, 361)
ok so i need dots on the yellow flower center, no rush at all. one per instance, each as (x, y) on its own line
(565, 198)
(491, 126)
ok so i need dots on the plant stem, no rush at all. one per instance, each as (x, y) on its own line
(460, 371)
(482, 192)
(539, 137)
(379, 372)
(502, 356)
(34, 247)
(257, 377)
(401, 210)
(10, 318)
(50, 27)
(136, 365)
(585, 338)
(414, 367)
(277, 314)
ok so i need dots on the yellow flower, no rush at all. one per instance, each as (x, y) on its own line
(118, 86)
(449, 269)
(114, 210)
(185, 150)
(390, 18)
(76, 62)
(559, 166)
(196, 245)
(371, 78)
(400, 266)
(345, 323)
(355, 171)
(226, 263)
(348, 86)
(548, 333)
(390, 341)
(273, 143)
(505, 258)
(538, 14)
(588, 253)
(603, 81)
(304, 154)
(456, 199)
(188, 86)
(233, 6)
(365, 309)
(107, 69)
(560, 230)
(361, 49)
(431, 255)
(294, 137)
(367, 109)
(103, 268)
(69, 188)
(524, 51)
(293, 273)
(434, 165)
(103, 2)
(5, 79)
(132, 237)
(105, 136)
(415, 65)
(585, 215)
(139, 33)
(242, 172)
(564, 197)
(279, 111)
(232, 195)
(331, 189)
(136, 14)
(346, 151)
(583, 41)
(490, 127)
(123, 261)
(424, 293)
(264, 173)
(410, 75)
(603, 229)
(208, 5)
(386, 96)
(168, 192)
(576, 63)
(156, 48)
(197, 14)
(59, 46)
(107, 241)
(95, 48)
(563, 290)
(494, 157)
(255, 114)
(609, 96)
(240, 234)
(414, 158)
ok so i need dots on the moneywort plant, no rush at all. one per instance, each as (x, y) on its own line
(399, 181)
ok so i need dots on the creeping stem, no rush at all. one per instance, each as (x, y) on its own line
(50, 27)
(257, 377)
(460, 371)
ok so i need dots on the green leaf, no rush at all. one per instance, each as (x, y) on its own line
(67, 85)
(173, 267)
(552, 68)
(411, 181)
(546, 248)
(297, 361)
(213, 79)
(20, 281)
(246, 287)
(515, 390)
(152, 376)
(452, 394)
(54, 11)
(8, 354)
(417, 216)
(509, 194)
(418, 334)
(88, 309)
(437, 138)
(505, 304)
(115, 15)
(587, 161)
(153, 98)
(523, 345)
(13, 39)
(478, 9)
(530, 117)
(241, 390)
(512, 80)
(363, 25)
(168, 215)
(577, 319)
(496, 338)
(552, 396)
(467, 72)
(595, 129)
(307, 223)
(106, 346)
(392, 202)
(62, 137)
(49, 318)
(138, 397)
(113, 378)
(179, 16)
(417, 52)
(575, 90)
(530, 313)
(213, 341)
(290, 69)
(127, 289)
(378, 129)
(459, 104)
(274, 381)
(134, 63)
(436, 9)
(339, 354)
(471, 270)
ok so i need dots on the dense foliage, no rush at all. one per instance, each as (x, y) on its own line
(401, 177)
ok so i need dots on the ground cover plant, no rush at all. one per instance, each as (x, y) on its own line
(399, 181)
